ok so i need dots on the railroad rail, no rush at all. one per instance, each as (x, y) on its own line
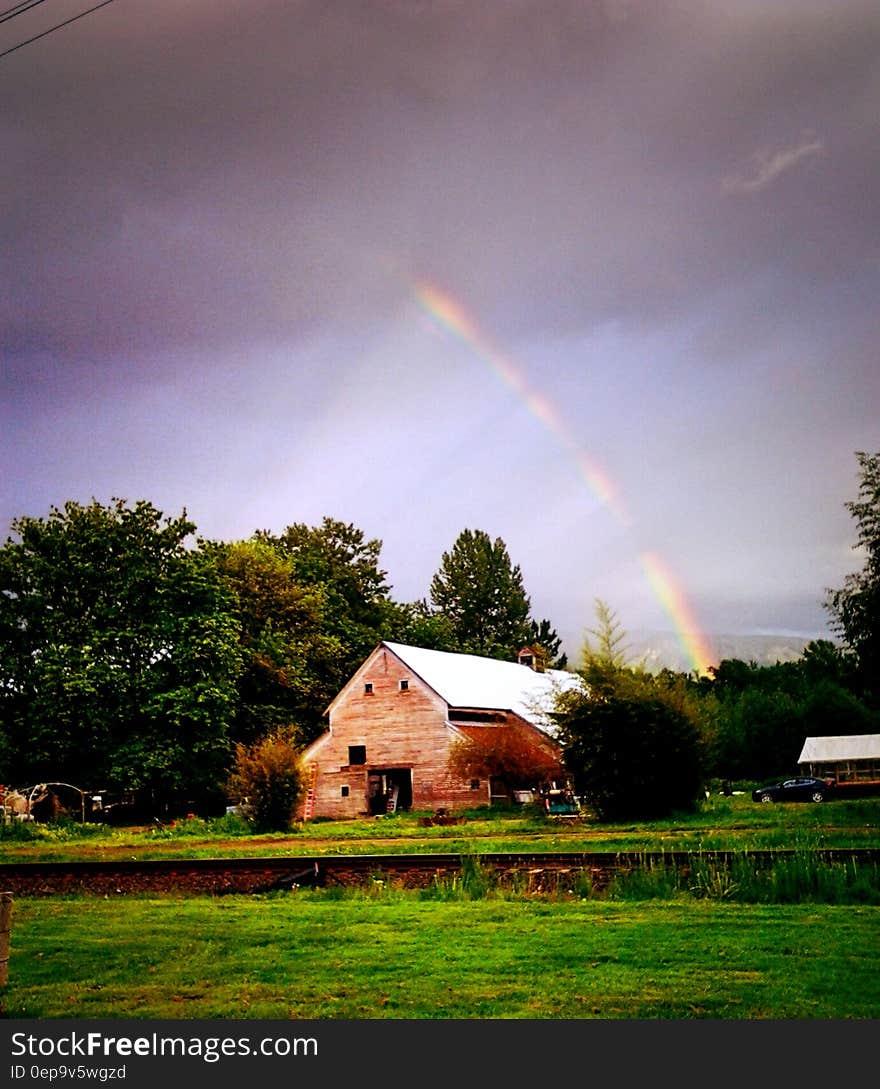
(262, 874)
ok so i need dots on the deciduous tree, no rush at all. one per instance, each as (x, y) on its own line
(505, 755)
(292, 664)
(118, 651)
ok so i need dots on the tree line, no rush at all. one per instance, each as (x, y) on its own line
(136, 655)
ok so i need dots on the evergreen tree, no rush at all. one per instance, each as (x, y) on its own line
(481, 593)
(544, 636)
(855, 608)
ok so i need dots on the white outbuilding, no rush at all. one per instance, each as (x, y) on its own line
(851, 760)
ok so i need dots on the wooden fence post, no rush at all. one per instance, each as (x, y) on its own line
(5, 929)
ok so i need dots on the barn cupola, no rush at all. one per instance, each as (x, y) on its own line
(533, 657)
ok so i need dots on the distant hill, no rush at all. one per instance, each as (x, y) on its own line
(663, 650)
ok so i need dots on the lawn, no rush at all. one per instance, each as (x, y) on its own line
(394, 954)
(643, 950)
(719, 824)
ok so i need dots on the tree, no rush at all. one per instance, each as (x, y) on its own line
(118, 651)
(634, 742)
(632, 755)
(336, 558)
(291, 663)
(267, 777)
(505, 755)
(544, 636)
(765, 712)
(481, 594)
(607, 649)
(855, 608)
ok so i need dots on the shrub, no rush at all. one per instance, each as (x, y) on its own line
(268, 774)
(633, 755)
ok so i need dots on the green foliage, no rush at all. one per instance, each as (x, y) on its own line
(607, 650)
(764, 713)
(633, 754)
(481, 593)
(337, 558)
(292, 664)
(545, 637)
(512, 958)
(267, 777)
(313, 602)
(635, 742)
(416, 625)
(855, 608)
(118, 651)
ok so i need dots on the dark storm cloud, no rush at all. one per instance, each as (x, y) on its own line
(249, 171)
(665, 214)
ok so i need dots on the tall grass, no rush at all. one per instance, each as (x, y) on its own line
(799, 878)
(802, 877)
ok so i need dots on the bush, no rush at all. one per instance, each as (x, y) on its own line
(633, 756)
(268, 774)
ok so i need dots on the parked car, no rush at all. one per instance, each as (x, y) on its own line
(795, 790)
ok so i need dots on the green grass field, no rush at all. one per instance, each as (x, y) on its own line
(798, 943)
(397, 955)
(720, 824)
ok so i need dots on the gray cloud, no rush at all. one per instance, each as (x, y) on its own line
(664, 214)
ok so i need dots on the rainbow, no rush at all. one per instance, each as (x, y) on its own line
(452, 317)
(671, 597)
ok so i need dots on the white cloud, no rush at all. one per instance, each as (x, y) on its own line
(765, 167)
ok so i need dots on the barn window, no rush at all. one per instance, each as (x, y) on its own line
(368, 688)
(345, 792)
(404, 685)
(475, 784)
(357, 754)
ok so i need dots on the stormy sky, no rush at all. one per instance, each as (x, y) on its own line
(599, 278)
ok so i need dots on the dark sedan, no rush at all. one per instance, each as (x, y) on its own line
(795, 790)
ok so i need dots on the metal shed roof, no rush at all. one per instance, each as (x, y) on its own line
(467, 680)
(846, 747)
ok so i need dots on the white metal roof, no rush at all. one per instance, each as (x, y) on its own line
(467, 680)
(846, 747)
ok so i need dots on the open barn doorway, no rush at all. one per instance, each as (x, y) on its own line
(389, 790)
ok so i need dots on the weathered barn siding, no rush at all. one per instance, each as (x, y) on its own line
(399, 729)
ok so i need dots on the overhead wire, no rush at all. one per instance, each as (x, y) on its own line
(18, 9)
(57, 26)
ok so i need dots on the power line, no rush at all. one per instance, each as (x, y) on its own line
(18, 9)
(58, 26)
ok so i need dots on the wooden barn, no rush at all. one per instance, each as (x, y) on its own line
(392, 727)
(852, 761)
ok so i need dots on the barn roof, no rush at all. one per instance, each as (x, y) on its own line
(844, 747)
(467, 680)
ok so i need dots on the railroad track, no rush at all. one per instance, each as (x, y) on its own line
(248, 875)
